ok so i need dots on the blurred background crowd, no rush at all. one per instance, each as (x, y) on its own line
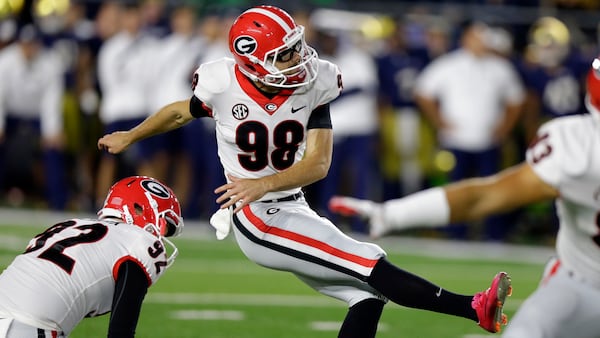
(433, 92)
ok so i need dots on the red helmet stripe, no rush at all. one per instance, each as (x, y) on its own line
(285, 22)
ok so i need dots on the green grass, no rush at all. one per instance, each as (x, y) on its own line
(213, 279)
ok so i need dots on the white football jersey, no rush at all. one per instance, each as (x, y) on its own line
(259, 136)
(566, 155)
(68, 272)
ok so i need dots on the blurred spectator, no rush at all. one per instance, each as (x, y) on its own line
(200, 133)
(401, 129)
(553, 74)
(214, 28)
(473, 100)
(8, 30)
(355, 123)
(31, 119)
(124, 64)
(74, 38)
(500, 42)
(108, 20)
(174, 61)
(438, 33)
(155, 19)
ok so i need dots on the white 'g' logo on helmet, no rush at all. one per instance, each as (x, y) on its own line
(245, 45)
(156, 188)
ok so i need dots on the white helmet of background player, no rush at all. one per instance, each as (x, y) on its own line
(549, 42)
(147, 203)
(263, 34)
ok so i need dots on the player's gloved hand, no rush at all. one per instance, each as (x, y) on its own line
(221, 221)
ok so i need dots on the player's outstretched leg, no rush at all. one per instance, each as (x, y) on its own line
(369, 210)
(410, 290)
(489, 304)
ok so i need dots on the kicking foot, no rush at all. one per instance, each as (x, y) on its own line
(489, 303)
(369, 210)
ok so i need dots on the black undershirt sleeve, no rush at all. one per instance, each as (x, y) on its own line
(198, 109)
(320, 118)
(130, 289)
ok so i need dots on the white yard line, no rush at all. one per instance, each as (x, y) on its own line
(208, 315)
(244, 299)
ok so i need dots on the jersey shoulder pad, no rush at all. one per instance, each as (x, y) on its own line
(573, 130)
(329, 81)
(212, 78)
(562, 148)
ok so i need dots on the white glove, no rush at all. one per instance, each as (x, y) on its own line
(221, 221)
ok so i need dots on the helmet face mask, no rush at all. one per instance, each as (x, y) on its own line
(146, 203)
(264, 41)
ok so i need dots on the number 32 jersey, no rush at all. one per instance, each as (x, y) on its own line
(68, 272)
(566, 155)
(260, 135)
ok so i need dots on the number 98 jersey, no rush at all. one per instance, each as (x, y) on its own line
(257, 134)
(68, 272)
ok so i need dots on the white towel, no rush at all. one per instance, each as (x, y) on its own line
(221, 221)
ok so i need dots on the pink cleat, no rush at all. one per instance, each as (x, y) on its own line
(489, 303)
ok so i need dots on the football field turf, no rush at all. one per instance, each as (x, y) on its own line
(213, 291)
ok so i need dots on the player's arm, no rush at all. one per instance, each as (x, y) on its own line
(512, 188)
(470, 199)
(130, 289)
(317, 156)
(169, 117)
(313, 166)
(466, 200)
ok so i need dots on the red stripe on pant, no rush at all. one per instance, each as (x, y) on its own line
(262, 226)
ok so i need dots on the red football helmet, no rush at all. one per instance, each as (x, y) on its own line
(263, 34)
(147, 203)
(593, 86)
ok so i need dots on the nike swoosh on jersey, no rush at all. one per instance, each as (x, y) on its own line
(297, 109)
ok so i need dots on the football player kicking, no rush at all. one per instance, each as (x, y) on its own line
(271, 108)
(563, 163)
(82, 268)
